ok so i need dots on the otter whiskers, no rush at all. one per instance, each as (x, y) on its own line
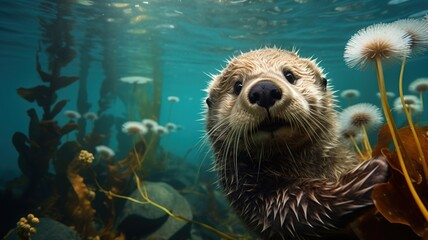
(273, 126)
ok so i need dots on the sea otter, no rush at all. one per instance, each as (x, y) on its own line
(273, 126)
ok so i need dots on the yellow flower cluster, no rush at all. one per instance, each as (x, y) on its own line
(25, 227)
(86, 158)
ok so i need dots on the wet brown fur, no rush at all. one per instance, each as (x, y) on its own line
(299, 181)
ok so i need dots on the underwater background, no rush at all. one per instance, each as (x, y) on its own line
(91, 46)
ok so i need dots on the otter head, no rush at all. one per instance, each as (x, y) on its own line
(269, 96)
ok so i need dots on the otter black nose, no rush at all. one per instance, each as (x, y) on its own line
(264, 93)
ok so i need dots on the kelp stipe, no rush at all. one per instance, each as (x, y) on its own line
(134, 164)
(38, 148)
(417, 30)
(411, 125)
(375, 43)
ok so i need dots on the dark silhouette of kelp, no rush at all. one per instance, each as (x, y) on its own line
(83, 105)
(109, 84)
(68, 194)
(38, 148)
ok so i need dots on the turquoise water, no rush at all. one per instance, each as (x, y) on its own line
(179, 43)
(190, 40)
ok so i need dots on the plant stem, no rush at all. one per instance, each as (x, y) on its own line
(411, 125)
(394, 135)
(145, 196)
(170, 112)
(366, 142)
(356, 147)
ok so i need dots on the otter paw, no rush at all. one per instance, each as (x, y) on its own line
(380, 168)
(366, 176)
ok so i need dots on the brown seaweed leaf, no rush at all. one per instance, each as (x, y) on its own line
(64, 156)
(62, 82)
(383, 140)
(64, 54)
(408, 148)
(46, 77)
(43, 95)
(70, 126)
(371, 225)
(32, 94)
(20, 141)
(67, 55)
(57, 108)
(393, 199)
(34, 126)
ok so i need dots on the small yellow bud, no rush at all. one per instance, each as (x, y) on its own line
(33, 230)
(30, 216)
(86, 157)
(91, 195)
(35, 220)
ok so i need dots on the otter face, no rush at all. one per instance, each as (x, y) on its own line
(266, 96)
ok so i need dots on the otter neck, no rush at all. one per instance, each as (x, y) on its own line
(255, 165)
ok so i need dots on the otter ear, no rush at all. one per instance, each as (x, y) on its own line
(324, 83)
(208, 101)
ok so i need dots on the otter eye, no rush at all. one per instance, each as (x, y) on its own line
(208, 101)
(324, 83)
(237, 87)
(290, 77)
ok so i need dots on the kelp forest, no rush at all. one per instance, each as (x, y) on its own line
(73, 185)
